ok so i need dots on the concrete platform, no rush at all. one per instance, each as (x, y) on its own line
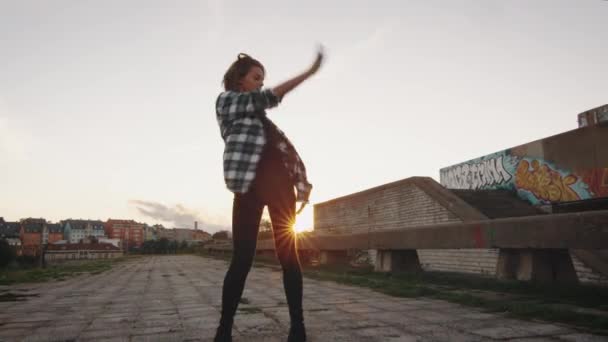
(177, 298)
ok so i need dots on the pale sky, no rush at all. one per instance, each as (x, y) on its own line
(108, 106)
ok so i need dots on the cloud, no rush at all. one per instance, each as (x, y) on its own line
(178, 216)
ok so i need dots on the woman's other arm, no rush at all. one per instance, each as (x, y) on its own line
(290, 84)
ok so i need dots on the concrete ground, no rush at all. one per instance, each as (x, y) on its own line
(177, 298)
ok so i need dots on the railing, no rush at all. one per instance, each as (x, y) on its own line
(531, 247)
(585, 230)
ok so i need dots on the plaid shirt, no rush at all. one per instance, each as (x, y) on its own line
(241, 117)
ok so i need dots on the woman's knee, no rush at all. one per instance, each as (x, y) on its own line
(242, 260)
(288, 258)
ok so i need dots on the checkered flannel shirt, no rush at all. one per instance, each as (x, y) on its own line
(241, 117)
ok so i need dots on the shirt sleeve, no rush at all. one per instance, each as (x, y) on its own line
(232, 105)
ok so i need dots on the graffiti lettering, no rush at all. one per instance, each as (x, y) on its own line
(486, 173)
(597, 180)
(545, 183)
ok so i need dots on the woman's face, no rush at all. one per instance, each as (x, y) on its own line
(253, 80)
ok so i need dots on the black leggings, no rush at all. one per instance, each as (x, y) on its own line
(271, 187)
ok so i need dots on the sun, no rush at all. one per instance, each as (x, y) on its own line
(305, 220)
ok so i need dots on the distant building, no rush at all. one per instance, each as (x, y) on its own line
(191, 236)
(150, 232)
(76, 231)
(9, 229)
(98, 229)
(54, 233)
(56, 253)
(593, 116)
(114, 242)
(168, 234)
(15, 243)
(129, 232)
(201, 235)
(183, 234)
(31, 234)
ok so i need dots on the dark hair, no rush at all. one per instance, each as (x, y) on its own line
(238, 70)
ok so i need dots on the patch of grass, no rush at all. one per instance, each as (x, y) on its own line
(583, 306)
(579, 295)
(524, 300)
(56, 272)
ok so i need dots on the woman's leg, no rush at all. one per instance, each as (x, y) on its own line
(246, 214)
(276, 190)
(282, 213)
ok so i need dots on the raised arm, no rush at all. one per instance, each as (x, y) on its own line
(232, 105)
(290, 84)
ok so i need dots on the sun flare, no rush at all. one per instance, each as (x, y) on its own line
(304, 221)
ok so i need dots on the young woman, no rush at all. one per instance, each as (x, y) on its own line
(261, 168)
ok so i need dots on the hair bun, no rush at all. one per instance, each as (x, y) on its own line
(242, 56)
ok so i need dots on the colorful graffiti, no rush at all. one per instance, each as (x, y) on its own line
(533, 179)
(570, 166)
(485, 173)
(545, 183)
(597, 180)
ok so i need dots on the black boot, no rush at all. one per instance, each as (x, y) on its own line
(297, 333)
(223, 333)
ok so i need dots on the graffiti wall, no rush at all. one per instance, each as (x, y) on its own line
(489, 172)
(534, 179)
(541, 182)
(597, 180)
(566, 167)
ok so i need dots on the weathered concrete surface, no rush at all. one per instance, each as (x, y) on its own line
(177, 298)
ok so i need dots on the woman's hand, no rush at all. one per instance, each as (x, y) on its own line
(290, 84)
(302, 205)
(317, 64)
